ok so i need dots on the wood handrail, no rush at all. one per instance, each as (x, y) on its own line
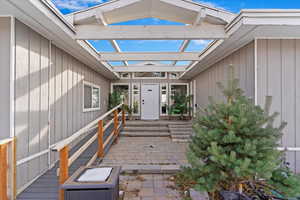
(6, 141)
(8, 163)
(63, 146)
(288, 148)
(60, 145)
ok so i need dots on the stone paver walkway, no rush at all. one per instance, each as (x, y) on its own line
(148, 187)
(146, 151)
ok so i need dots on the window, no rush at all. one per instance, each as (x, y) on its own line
(150, 75)
(174, 75)
(124, 75)
(123, 89)
(136, 98)
(91, 97)
(163, 99)
(175, 90)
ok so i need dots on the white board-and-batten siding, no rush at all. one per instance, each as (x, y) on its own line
(278, 75)
(48, 100)
(276, 65)
(243, 63)
(5, 62)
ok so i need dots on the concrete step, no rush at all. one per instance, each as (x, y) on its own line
(180, 125)
(145, 134)
(181, 140)
(146, 128)
(181, 133)
(154, 123)
(150, 169)
(181, 130)
(180, 136)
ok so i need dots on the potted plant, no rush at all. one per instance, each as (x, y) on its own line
(129, 110)
(181, 104)
(114, 99)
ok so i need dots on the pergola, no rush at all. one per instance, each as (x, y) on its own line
(200, 22)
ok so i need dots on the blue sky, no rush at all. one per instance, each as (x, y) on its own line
(68, 6)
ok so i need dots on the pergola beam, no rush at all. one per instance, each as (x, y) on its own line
(149, 56)
(96, 32)
(144, 68)
(101, 20)
(118, 49)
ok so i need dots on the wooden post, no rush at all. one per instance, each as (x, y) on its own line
(123, 117)
(63, 168)
(100, 139)
(116, 123)
(15, 168)
(3, 172)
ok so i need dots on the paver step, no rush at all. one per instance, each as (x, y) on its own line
(146, 128)
(145, 134)
(181, 128)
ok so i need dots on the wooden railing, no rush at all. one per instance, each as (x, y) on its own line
(63, 147)
(8, 169)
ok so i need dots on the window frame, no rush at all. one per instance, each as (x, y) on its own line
(160, 94)
(122, 84)
(129, 75)
(132, 94)
(92, 85)
(164, 77)
(170, 94)
(173, 78)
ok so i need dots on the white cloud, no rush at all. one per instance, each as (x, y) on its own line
(200, 42)
(75, 4)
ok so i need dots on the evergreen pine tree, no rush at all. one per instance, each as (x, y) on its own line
(235, 141)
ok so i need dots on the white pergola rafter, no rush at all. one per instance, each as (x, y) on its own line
(204, 31)
(149, 56)
(198, 21)
(143, 68)
(101, 20)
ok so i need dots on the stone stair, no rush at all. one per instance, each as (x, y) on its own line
(181, 132)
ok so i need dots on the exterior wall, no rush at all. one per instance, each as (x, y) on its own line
(5, 40)
(278, 75)
(243, 62)
(48, 100)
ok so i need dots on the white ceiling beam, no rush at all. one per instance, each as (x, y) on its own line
(118, 49)
(182, 48)
(149, 56)
(101, 20)
(200, 17)
(144, 68)
(194, 6)
(96, 32)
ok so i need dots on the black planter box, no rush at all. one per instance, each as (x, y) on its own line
(108, 190)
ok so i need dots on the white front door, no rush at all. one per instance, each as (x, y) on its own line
(150, 101)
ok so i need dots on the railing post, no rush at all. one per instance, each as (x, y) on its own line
(123, 117)
(63, 168)
(3, 172)
(100, 139)
(116, 123)
(15, 168)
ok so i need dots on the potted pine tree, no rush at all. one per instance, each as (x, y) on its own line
(235, 144)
